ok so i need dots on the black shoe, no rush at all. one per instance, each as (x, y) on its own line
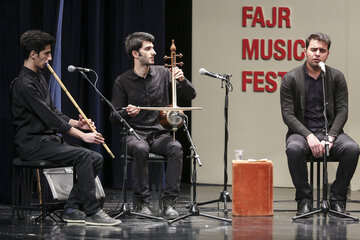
(169, 210)
(304, 207)
(143, 208)
(72, 215)
(339, 207)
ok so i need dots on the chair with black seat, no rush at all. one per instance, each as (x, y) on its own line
(318, 162)
(325, 206)
(25, 174)
(156, 172)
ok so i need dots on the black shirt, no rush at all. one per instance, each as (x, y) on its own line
(151, 91)
(35, 118)
(314, 104)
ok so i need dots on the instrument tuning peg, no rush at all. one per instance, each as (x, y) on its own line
(166, 57)
(180, 63)
(172, 47)
(179, 55)
(167, 65)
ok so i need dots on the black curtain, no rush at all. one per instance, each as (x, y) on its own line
(93, 34)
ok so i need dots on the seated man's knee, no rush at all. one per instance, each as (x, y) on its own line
(97, 158)
(294, 148)
(140, 150)
(174, 147)
(353, 148)
(89, 157)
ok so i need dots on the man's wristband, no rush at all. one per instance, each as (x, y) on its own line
(331, 139)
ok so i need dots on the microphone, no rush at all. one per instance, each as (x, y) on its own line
(322, 66)
(71, 68)
(203, 71)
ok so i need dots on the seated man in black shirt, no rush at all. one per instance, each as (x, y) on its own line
(147, 85)
(37, 121)
(302, 107)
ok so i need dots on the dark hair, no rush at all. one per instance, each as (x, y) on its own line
(134, 42)
(320, 37)
(35, 40)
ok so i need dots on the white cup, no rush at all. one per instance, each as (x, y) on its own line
(238, 154)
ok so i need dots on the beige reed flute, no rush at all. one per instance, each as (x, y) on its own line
(77, 107)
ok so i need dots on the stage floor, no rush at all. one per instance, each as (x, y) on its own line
(279, 226)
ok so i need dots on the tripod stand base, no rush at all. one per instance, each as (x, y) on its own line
(195, 211)
(224, 197)
(125, 211)
(325, 210)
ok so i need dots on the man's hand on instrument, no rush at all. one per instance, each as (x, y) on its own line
(132, 110)
(83, 125)
(315, 145)
(93, 138)
(178, 74)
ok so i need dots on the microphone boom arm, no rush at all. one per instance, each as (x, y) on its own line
(120, 118)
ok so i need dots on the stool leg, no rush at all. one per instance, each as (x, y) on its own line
(23, 194)
(26, 191)
(153, 178)
(40, 194)
(318, 185)
(15, 191)
(160, 181)
(312, 177)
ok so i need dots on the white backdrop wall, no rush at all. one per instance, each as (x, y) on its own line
(255, 123)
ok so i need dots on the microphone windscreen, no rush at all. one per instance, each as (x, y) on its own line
(202, 71)
(322, 66)
(71, 68)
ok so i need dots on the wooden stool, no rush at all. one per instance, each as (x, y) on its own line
(252, 188)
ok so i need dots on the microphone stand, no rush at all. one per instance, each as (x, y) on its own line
(324, 204)
(194, 209)
(224, 194)
(125, 208)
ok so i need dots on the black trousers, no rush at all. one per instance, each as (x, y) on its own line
(344, 149)
(87, 165)
(162, 144)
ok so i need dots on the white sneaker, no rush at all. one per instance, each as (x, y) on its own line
(101, 219)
